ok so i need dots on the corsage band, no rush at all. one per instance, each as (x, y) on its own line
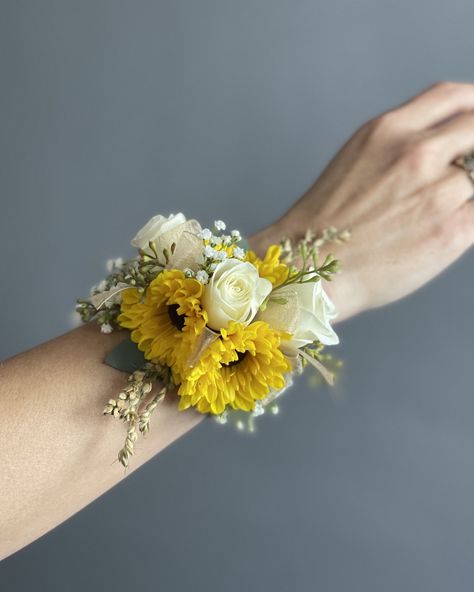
(212, 321)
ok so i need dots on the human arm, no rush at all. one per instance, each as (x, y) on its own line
(408, 210)
(56, 447)
(393, 184)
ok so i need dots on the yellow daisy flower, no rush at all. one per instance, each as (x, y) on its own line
(237, 369)
(270, 267)
(166, 320)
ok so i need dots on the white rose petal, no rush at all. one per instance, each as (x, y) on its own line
(184, 234)
(234, 293)
(316, 311)
(156, 227)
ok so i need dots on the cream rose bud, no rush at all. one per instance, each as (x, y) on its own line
(234, 293)
(155, 228)
(315, 313)
(185, 234)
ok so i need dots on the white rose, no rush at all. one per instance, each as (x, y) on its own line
(185, 234)
(155, 228)
(234, 293)
(315, 313)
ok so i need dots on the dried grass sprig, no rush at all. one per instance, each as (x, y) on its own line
(134, 407)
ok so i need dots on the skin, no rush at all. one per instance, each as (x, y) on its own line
(392, 184)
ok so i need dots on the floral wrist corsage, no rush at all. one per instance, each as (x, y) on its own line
(210, 320)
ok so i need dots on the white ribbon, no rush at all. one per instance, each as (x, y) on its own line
(325, 373)
(98, 300)
(203, 342)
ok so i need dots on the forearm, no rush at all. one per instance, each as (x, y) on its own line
(56, 447)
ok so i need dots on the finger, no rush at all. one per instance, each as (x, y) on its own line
(451, 191)
(432, 106)
(465, 225)
(451, 139)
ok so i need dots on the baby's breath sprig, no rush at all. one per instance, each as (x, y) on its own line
(105, 317)
(121, 274)
(85, 309)
(217, 247)
(247, 422)
(132, 407)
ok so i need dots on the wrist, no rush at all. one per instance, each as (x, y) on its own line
(270, 235)
(346, 290)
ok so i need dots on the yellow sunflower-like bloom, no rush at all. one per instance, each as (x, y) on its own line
(270, 267)
(167, 320)
(237, 369)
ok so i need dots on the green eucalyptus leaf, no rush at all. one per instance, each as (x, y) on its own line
(125, 357)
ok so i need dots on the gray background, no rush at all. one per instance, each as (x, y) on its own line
(113, 111)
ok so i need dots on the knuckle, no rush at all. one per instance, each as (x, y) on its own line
(383, 127)
(448, 90)
(388, 121)
(370, 126)
(418, 156)
(445, 87)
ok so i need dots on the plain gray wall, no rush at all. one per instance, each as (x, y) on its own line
(112, 111)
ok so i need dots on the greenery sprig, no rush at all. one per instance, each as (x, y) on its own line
(302, 257)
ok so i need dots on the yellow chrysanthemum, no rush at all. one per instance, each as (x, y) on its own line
(166, 321)
(237, 369)
(270, 267)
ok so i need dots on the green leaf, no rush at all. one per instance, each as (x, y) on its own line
(125, 357)
(278, 300)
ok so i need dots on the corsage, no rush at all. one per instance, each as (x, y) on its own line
(211, 321)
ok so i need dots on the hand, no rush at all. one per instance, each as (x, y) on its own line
(393, 185)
